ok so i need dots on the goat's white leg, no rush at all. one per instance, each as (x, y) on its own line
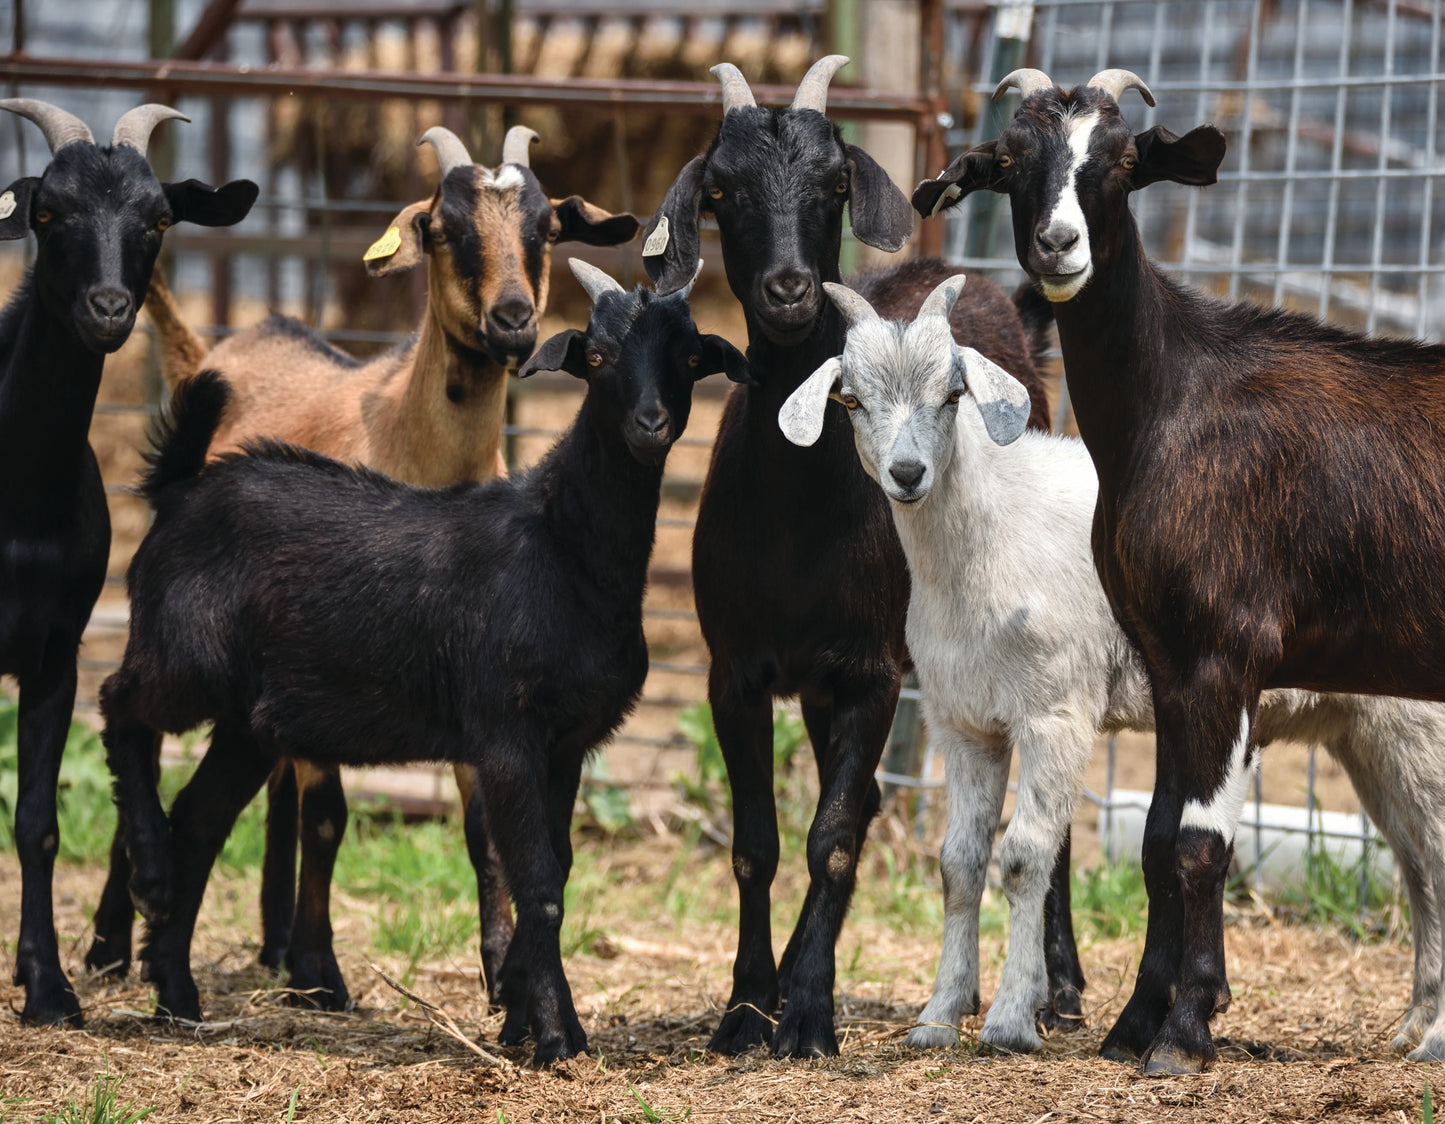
(976, 775)
(1053, 754)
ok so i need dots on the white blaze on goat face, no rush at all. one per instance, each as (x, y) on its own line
(1068, 215)
(506, 177)
(1221, 812)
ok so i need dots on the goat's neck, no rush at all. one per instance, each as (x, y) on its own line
(602, 502)
(781, 368)
(447, 422)
(47, 395)
(1113, 337)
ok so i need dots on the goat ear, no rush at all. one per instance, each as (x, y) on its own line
(204, 205)
(877, 210)
(1001, 399)
(801, 418)
(566, 351)
(15, 208)
(584, 222)
(719, 355)
(974, 170)
(671, 249)
(1192, 159)
(400, 248)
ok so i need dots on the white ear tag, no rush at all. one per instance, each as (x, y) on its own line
(657, 240)
(7, 205)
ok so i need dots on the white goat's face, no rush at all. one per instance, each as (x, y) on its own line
(902, 388)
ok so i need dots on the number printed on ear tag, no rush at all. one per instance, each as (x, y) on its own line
(7, 204)
(657, 240)
(388, 244)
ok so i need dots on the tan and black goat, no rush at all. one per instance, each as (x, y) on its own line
(429, 412)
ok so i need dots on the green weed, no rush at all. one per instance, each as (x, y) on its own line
(654, 1115)
(1427, 1110)
(1109, 900)
(1331, 895)
(99, 1106)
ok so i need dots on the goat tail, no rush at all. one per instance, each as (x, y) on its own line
(1037, 316)
(181, 438)
(181, 350)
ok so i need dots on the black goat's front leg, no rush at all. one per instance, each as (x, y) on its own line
(278, 867)
(315, 977)
(115, 915)
(743, 718)
(230, 774)
(494, 902)
(861, 716)
(1065, 1011)
(519, 811)
(46, 700)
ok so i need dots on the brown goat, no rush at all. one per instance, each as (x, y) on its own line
(429, 412)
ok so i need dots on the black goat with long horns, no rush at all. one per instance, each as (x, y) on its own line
(98, 215)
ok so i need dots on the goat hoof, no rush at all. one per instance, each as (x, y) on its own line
(805, 1033)
(1011, 1040)
(560, 1047)
(316, 982)
(933, 1037)
(1131, 1036)
(1064, 1013)
(1430, 1050)
(109, 957)
(51, 1003)
(1170, 1061)
(272, 956)
(742, 1028)
(514, 1028)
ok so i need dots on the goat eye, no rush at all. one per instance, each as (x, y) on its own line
(163, 224)
(1005, 160)
(714, 193)
(553, 234)
(694, 360)
(841, 187)
(42, 216)
(1128, 163)
(594, 357)
(954, 396)
(851, 401)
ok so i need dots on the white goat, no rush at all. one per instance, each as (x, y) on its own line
(1015, 645)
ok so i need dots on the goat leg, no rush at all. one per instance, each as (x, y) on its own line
(314, 976)
(494, 903)
(110, 951)
(278, 867)
(1065, 1010)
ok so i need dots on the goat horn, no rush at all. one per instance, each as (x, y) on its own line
(1028, 82)
(60, 128)
(518, 140)
(813, 89)
(686, 290)
(940, 302)
(593, 279)
(737, 94)
(1115, 82)
(854, 307)
(135, 125)
(451, 152)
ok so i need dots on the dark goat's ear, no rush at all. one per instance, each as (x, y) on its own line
(584, 222)
(1192, 159)
(877, 210)
(15, 208)
(194, 201)
(400, 248)
(670, 251)
(719, 355)
(566, 351)
(974, 170)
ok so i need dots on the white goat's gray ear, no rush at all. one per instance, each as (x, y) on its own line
(1001, 399)
(801, 418)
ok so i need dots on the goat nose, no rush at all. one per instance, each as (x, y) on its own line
(512, 315)
(651, 419)
(908, 473)
(110, 304)
(1059, 237)
(788, 286)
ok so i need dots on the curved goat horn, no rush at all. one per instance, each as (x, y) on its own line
(737, 94)
(1028, 82)
(451, 152)
(518, 140)
(135, 125)
(593, 279)
(1115, 82)
(813, 89)
(940, 302)
(60, 128)
(854, 307)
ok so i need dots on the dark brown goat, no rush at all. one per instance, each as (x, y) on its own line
(1271, 507)
(781, 530)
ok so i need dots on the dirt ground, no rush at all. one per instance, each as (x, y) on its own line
(1306, 1039)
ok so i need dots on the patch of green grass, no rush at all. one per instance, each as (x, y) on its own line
(1427, 1110)
(1109, 900)
(1330, 895)
(656, 1115)
(99, 1106)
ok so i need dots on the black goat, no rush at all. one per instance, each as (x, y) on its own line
(1271, 510)
(98, 215)
(781, 530)
(332, 614)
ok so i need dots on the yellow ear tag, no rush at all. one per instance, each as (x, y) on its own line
(388, 244)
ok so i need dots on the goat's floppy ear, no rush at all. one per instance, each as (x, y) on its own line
(1001, 399)
(719, 355)
(400, 248)
(974, 170)
(566, 351)
(877, 210)
(671, 249)
(15, 208)
(584, 222)
(801, 418)
(204, 205)
(1192, 159)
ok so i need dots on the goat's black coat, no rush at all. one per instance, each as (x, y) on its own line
(800, 582)
(96, 213)
(1271, 514)
(331, 614)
